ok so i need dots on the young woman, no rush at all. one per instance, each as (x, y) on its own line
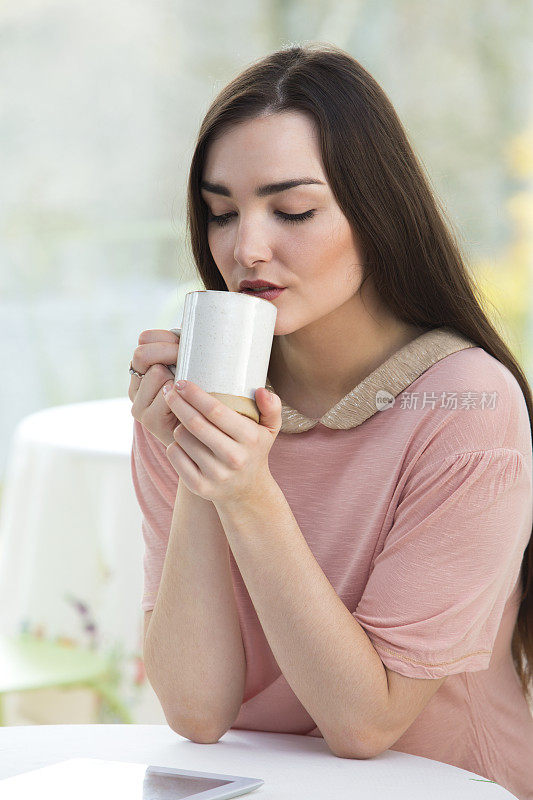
(368, 579)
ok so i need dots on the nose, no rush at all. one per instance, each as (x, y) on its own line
(251, 244)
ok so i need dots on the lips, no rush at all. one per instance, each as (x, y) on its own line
(265, 294)
(258, 285)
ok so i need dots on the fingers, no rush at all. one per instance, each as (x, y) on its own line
(155, 359)
(158, 335)
(210, 420)
(146, 355)
(155, 347)
(201, 455)
(148, 390)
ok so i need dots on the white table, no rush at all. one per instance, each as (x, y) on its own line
(71, 543)
(291, 766)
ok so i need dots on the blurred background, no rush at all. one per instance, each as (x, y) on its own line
(100, 105)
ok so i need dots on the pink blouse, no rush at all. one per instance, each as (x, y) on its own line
(414, 494)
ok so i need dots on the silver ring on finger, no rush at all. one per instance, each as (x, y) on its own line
(133, 372)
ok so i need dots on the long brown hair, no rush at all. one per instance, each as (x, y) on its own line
(378, 183)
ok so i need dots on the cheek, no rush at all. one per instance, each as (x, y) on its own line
(308, 244)
(221, 244)
(211, 240)
(219, 247)
(326, 248)
(333, 261)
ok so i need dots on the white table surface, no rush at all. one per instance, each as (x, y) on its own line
(71, 544)
(292, 766)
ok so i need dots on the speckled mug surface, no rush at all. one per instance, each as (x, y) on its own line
(225, 344)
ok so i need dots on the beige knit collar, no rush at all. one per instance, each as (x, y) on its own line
(393, 376)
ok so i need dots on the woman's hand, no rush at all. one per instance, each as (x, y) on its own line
(157, 348)
(218, 453)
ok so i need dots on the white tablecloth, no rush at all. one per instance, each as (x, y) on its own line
(292, 767)
(70, 538)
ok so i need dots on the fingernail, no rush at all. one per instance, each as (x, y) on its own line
(180, 384)
(166, 388)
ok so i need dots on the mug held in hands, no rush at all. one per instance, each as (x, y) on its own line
(225, 345)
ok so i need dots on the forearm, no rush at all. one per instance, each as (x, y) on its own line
(324, 654)
(194, 654)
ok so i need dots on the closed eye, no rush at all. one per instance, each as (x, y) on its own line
(223, 219)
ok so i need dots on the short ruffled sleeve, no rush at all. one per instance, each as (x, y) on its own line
(434, 600)
(156, 483)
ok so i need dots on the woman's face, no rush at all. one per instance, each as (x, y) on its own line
(316, 259)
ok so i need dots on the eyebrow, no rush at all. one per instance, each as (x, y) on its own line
(260, 191)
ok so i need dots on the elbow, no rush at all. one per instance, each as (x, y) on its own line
(364, 747)
(358, 753)
(196, 732)
(187, 726)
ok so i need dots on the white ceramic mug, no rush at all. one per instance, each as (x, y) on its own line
(225, 345)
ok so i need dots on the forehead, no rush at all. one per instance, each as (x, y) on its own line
(265, 150)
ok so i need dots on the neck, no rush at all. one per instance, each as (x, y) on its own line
(328, 358)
